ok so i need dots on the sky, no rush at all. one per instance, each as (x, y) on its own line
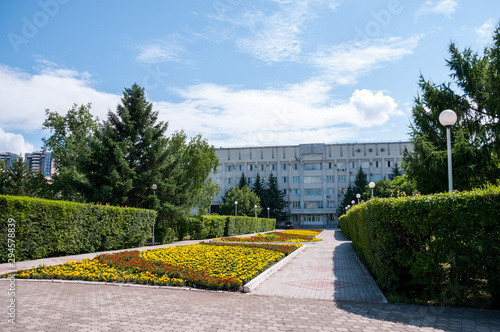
(238, 72)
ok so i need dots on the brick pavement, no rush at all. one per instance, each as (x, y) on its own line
(327, 270)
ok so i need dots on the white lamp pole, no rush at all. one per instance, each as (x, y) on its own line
(371, 185)
(255, 209)
(448, 118)
(154, 187)
(235, 208)
(358, 196)
(353, 202)
(268, 212)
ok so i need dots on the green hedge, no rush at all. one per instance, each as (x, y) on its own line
(443, 247)
(212, 226)
(47, 228)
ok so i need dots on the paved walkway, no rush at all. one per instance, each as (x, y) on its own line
(327, 270)
(305, 288)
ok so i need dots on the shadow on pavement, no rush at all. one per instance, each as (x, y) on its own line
(445, 318)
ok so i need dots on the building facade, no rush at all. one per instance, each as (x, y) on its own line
(313, 177)
(8, 158)
(40, 162)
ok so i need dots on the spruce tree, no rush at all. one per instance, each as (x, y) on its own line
(243, 181)
(360, 184)
(349, 196)
(274, 199)
(260, 190)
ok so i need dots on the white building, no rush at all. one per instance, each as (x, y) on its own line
(312, 176)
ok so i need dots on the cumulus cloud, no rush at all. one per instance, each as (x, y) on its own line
(344, 63)
(298, 113)
(442, 7)
(485, 31)
(14, 143)
(26, 96)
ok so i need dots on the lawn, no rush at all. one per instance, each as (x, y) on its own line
(206, 265)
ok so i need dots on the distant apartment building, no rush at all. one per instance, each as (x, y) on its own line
(313, 177)
(8, 158)
(40, 162)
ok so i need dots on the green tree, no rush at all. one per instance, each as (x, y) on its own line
(474, 95)
(246, 199)
(349, 196)
(4, 180)
(69, 142)
(274, 199)
(399, 186)
(360, 184)
(20, 181)
(243, 180)
(205, 196)
(259, 189)
(396, 171)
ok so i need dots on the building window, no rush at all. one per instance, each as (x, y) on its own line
(295, 192)
(354, 164)
(312, 179)
(341, 178)
(295, 166)
(240, 168)
(283, 167)
(250, 168)
(312, 218)
(250, 181)
(377, 164)
(313, 192)
(330, 178)
(229, 168)
(330, 204)
(229, 180)
(296, 204)
(219, 169)
(274, 167)
(284, 179)
(285, 204)
(312, 167)
(389, 163)
(341, 166)
(352, 178)
(330, 165)
(377, 177)
(313, 204)
(330, 191)
(365, 164)
(296, 179)
(284, 191)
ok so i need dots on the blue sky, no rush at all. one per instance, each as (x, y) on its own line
(239, 72)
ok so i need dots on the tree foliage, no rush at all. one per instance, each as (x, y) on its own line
(18, 180)
(246, 198)
(259, 189)
(474, 94)
(275, 199)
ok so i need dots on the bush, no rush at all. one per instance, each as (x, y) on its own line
(440, 247)
(47, 228)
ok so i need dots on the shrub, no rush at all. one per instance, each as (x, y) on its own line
(47, 228)
(440, 247)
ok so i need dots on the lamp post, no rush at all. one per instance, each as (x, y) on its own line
(371, 185)
(268, 212)
(353, 202)
(154, 187)
(235, 208)
(255, 210)
(448, 118)
(358, 196)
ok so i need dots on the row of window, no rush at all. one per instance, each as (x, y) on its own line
(309, 166)
(311, 179)
(313, 204)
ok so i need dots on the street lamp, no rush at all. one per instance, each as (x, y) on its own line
(235, 208)
(371, 185)
(154, 187)
(255, 209)
(358, 196)
(268, 212)
(448, 118)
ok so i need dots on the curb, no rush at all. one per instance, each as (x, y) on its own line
(251, 285)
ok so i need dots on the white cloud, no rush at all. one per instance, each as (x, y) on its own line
(169, 49)
(440, 7)
(25, 96)
(276, 36)
(298, 113)
(344, 63)
(225, 115)
(14, 143)
(485, 31)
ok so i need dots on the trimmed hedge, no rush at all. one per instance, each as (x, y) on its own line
(48, 228)
(443, 247)
(212, 226)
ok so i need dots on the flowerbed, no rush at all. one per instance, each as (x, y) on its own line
(223, 267)
(288, 236)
